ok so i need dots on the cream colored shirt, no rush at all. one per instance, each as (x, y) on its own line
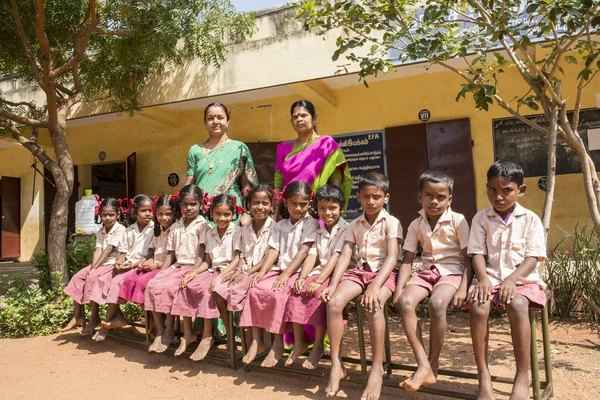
(370, 241)
(287, 239)
(112, 238)
(222, 249)
(442, 246)
(159, 244)
(507, 244)
(185, 242)
(254, 246)
(135, 244)
(328, 243)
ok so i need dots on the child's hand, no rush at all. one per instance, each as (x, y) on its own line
(280, 282)
(459, 297)
(507, 291)
(186, 279)
(396, 298)
(213, 283)
(237, 278)
(256, 278)
(370, 299)
(313, 287)
(482, 291)
(298, 285)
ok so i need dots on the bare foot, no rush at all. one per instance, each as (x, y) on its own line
(486, 390)
(422, 377)
(435, 366)
(90, 327)
(118, 321)
(203, 348)
(338, 372)
(165, 341)
(373, 389)
(185, 342)
(313, 359)
(274, 355)
(155, 343)
(100, 335)
(296, 352)
(75, 321)
(520, 390)
(254, 349)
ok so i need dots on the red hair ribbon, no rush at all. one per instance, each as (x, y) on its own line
(244, 193)
(282, 194)
(207, 202)
(128, 203)
(238, 209)
(175, 196)
(120, 204)
(97, 208)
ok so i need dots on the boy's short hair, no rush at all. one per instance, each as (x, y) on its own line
(331, 193)
(436, 177)
(374, 178)
(506, 169)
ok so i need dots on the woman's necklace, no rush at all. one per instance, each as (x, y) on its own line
(208, 152)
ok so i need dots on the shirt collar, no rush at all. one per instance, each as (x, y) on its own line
(340, 224)
(445, 217)
(383, 214)
(215, 231)
(517, 211)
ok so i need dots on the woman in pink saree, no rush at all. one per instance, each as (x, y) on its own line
(311, 158)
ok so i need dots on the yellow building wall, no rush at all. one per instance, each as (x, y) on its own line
(16, 162)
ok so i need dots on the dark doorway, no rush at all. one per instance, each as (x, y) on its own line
(413, 149)
(263, 156)
(110, 180)
(10, 221)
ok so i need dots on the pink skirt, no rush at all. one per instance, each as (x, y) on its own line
(134, 286)
(195, 301)
(235, 295)
(531, 291)
(265, 308)
(301, 309)
(161, 290)
(81, 286)
(107, 288)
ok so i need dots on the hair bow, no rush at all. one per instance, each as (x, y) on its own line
(238, 209)
(282, 194)
(97, 208)
(312, 194)
(175, 196)
(207, 202)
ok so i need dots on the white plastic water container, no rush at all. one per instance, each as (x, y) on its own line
(84, 215)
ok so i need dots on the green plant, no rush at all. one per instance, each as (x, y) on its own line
(133, 312)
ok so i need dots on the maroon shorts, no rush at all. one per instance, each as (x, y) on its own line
(429, 279)
(532, 291)
(363, 278)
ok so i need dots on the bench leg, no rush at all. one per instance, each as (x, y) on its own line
(231, 341)
(147, 326)
(547, 350)
(361, 342)
(535, 370)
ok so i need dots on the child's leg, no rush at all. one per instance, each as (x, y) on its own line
(189, 336)
(478, 321)
(317, 351)
(345, 292)
(159, 325)
(94, 319)
(438, 305)
(114, 317)
(77, 319)
(520, 331)
(377, 333)
(275, 353)
(206, 342)
(407, 303)
(256, 347)
(300, 346)
(168, 336)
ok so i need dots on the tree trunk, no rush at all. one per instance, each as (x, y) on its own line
(589, 177)
(551, 170)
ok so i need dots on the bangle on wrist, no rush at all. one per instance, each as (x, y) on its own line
(318, 282)
(300, 278)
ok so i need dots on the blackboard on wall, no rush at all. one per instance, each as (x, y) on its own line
(516, 141)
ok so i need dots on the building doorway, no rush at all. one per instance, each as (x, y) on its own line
(10, 220)
(110, 180)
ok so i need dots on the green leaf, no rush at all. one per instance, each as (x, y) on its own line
(571, 60)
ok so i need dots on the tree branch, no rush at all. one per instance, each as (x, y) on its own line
(33, 147)
(23, 120)
(116, 33)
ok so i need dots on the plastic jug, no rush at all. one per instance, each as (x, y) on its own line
(84, 215)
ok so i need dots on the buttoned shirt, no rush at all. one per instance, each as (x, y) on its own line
(327, 243)
(186, 241)
(112, 238)
(254, 245)
(507, 244)
(287, 239)
(370, 241)
(222, 249)
(442, 246)
(159, 244)
(135, 243)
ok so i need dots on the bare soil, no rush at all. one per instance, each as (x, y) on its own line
(69, 366)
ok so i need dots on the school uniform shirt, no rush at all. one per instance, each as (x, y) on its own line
(254, 245)
(185, 242)
(370, 241)
(287, 239)
(112, 238)
(222, 249)
(327, 243)
(135, 244)
(442, 246)
(159, 244)
(507, 244)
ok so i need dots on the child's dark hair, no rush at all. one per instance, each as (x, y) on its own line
(260, 189)
(329, 192)
(506, 169)
(189, 190)
(136, 202)
(308, 106)
(297, 188)
(222, 199)
(222, 106)
(374, 178)
(436, 177)
(164, 200)
(107, 203)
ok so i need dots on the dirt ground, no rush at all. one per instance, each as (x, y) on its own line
(69, 366)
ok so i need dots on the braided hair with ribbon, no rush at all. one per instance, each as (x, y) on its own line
(224, 199)
(293, 189)
(190, 190)
(248, 193)
(106, 203)
(134, 204)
